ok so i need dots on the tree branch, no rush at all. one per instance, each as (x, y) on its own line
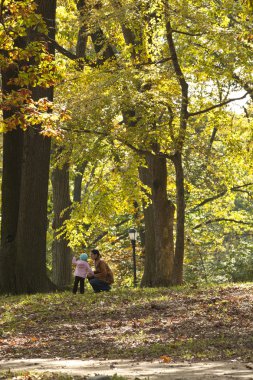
(104, 233)
(247, 87)
(138, 65)
(212, 138)
(221, 194)
(187, 33)
(182, 82)
(222, 220)
(139, 151)
(59, 48)
(217, 105)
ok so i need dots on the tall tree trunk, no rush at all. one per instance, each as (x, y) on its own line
(179, 143)
(163, 225)
(61, 251)
(11, 181)
(159, 218)
(77, 193)
(149, 274)
(24, 214)
(163, 209)
(12, 158)
(149, 235)
(179, 249)
(82, 33)
(30, 267)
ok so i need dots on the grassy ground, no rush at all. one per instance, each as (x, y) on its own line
(214, 323)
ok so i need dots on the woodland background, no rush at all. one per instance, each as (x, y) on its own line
(120, 114)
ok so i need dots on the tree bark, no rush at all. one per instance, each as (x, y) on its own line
(12, 153)
(24, 214)
(159, 218)
(180, 230)
(177, 159)
(30, 267)
(11, 180)
(149, 235)
(77, 193)
(163, 225)
(61, 203)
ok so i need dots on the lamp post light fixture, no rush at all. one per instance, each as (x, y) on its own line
(133, 236)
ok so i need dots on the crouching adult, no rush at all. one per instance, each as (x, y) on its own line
(103, 276)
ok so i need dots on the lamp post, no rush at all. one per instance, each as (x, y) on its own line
(133, 236)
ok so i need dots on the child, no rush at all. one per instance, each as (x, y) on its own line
(81, 271)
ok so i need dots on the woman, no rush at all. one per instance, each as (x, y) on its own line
(103, 276)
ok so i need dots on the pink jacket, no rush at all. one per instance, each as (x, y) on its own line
(82, 268)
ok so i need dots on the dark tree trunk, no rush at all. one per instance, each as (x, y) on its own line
(163, 225)
(77, 194)
(12, 158)
(159, 218)
(177, 159)
(61, 251)
(148, 278)
(11, 180)
(82, 33)
(30, 268)
(24, 197)
(30, 265)
(179, 249)
(149, 235)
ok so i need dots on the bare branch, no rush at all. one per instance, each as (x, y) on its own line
(60, 48)
(139, 151)
(247, 87)
(182, 82)
(210, 221)
(219, 195)
(212, 138)
(138, 65)
(106, 134)
(187, 33)
(171, 118)
(217, 105)
(104, 233)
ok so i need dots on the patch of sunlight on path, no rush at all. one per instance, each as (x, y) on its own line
(132, 369)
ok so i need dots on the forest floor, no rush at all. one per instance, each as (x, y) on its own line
(175, 328)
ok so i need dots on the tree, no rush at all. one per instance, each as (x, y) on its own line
(161, 207)
(61, 252)
(147, 77)
(219, 188)
(26, 154)
(144, 83)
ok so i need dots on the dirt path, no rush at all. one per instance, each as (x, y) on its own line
(133, 369)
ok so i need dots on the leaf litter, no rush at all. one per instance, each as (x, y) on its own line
(144, 324)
